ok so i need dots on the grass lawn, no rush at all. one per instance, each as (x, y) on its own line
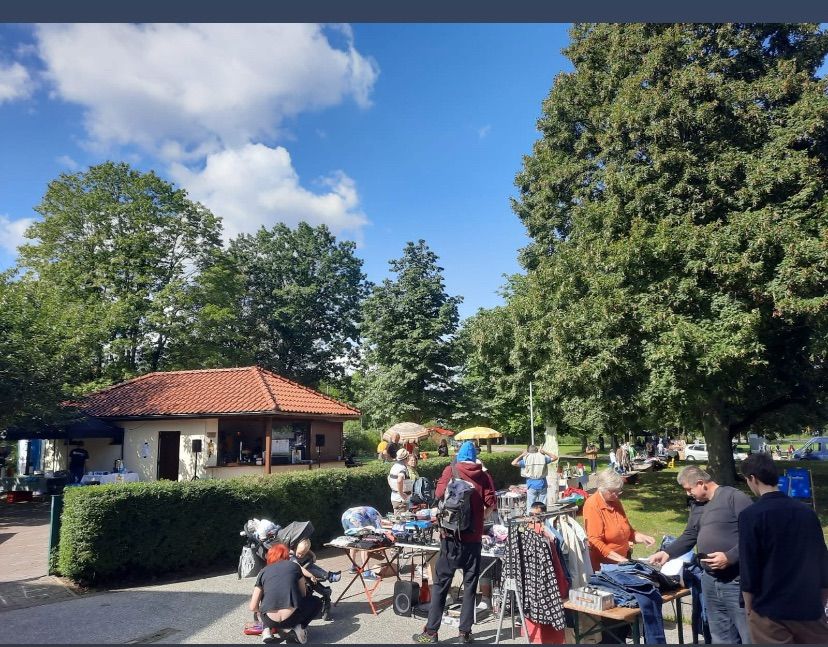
(656, 505)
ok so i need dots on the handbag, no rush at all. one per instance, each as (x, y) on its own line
(247, 563)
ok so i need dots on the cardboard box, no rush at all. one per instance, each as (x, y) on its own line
(593, 599)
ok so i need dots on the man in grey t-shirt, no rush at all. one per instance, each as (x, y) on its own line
(717, 542)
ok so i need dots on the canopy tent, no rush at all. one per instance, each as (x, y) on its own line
(441, 431)
(479, 433)
(408, 431)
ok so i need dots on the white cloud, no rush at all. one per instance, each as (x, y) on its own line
(15, 82)
(11, 233)
(185, 91)
(483, 132)
(68, 162)
(256, 185)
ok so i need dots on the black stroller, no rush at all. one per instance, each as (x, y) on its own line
(254, 555)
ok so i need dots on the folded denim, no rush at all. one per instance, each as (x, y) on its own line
(625, 581)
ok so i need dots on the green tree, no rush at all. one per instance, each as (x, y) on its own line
(116, 247)
(677, 208)
(409, 354)
(302, 294)
(38, 353)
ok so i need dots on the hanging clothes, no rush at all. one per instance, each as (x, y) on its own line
(529, 562)
(576, 550)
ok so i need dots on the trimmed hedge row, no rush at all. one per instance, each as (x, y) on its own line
(140, 530)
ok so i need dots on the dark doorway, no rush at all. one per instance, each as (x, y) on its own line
(168, 444)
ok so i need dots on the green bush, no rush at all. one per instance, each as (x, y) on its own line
(139, 530)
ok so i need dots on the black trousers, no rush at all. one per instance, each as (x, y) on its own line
(308, 609)
(455, 555)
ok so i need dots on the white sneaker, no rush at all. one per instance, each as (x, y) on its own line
(301, 634)
(267, 635)
(484, 605)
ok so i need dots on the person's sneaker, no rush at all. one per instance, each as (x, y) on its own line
(370, 575)
(466, 637)
(267, 636)
(425, 637)
(352, 570)
(301, 634)
(334, 576)
(484, 605)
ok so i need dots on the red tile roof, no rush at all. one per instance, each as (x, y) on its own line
(251, 389)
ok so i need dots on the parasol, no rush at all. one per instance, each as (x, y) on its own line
(478, 433)
(441, 431)
(407, 431)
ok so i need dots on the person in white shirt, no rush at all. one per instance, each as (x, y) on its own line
(396, 482)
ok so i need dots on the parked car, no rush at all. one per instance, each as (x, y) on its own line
(815, 449)
(698, 452)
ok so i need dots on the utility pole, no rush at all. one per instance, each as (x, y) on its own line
(531, 414)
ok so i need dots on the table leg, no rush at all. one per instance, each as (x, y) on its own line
(576, 627)
(636, 630)
(679, 622)
(357, 576)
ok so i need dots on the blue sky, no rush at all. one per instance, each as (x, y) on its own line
(387, 133)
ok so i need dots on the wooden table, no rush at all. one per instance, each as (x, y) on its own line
(622, 616)
(371, 553)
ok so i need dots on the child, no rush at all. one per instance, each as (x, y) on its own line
(315, 575)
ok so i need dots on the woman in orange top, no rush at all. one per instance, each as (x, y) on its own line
(609, 532)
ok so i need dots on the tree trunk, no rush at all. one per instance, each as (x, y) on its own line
(720, 461)
(601, 446)
(583, 443)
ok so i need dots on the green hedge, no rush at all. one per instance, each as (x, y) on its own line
(140, 530)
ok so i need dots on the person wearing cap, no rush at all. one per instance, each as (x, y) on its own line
(462, 554)
(396, 481)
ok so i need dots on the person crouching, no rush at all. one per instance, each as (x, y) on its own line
(281, 598)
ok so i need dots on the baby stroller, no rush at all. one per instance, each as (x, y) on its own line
(291, 535)
(259, 535)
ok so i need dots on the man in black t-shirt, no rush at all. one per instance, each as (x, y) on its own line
(77, 459)
(393, 446)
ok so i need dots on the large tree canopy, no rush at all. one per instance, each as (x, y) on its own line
(409, 354)
(115, 247)
(301, 297)
(679, 260)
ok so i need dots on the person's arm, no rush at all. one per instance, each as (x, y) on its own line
(685, 541)
(442, 482)
(255, 599)
(401, 485)
(749, 549)
(489, 496)
(549, 456)
(516, 462)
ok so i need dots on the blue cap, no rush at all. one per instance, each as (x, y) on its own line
(467, 452)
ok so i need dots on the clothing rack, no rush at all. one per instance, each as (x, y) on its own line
(508, 587)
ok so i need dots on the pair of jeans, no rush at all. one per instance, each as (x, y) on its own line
(535, 495)
(627, 578)
(593, 465)
(308, 609)
(455, 555)
(725, 610)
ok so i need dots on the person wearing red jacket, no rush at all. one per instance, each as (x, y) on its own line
(464, 553)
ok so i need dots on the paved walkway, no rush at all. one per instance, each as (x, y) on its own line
(214, 610)
(24, 545)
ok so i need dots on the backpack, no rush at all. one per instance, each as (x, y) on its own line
(455, 514)
(422, 491)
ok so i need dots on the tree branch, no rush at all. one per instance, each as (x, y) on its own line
(769, 407)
